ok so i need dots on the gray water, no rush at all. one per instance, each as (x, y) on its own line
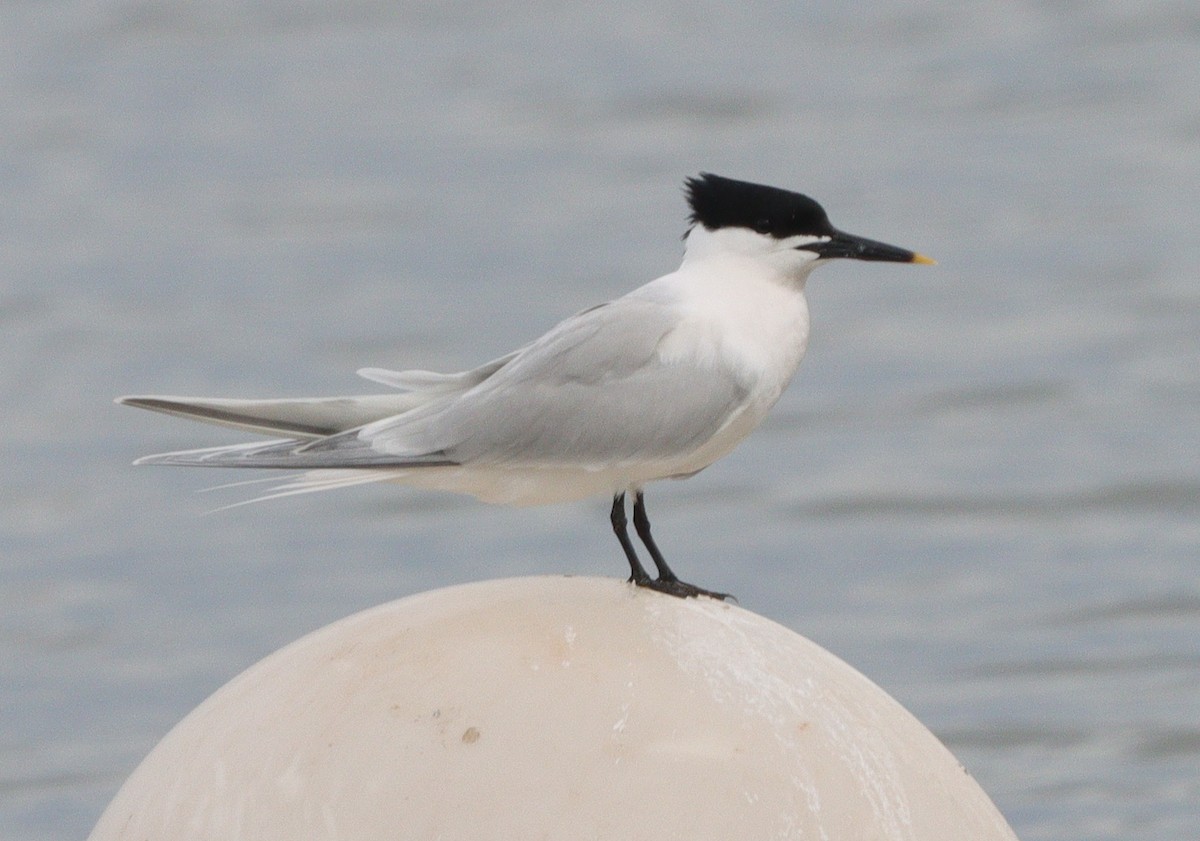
(982, 490)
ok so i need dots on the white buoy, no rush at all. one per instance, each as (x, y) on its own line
(550, 708)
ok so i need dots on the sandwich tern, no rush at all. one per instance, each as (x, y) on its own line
(656, 384)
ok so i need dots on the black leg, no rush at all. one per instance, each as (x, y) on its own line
(668, 581)
(641, 522)
(637, 572)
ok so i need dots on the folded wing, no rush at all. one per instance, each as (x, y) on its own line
(592, 393)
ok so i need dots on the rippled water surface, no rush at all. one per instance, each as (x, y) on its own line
(982, 490)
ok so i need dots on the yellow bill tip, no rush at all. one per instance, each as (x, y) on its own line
(923, 260)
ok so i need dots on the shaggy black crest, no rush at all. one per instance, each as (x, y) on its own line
(718, 202)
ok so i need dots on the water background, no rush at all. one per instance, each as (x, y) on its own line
(982, 490)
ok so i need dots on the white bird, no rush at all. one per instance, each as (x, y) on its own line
(657, 384)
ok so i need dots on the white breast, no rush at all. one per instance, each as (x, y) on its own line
(738, 314)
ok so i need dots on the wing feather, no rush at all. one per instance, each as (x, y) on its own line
(302, 417)
(592, 391)
(291, 454)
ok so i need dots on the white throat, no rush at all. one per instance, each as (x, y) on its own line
(781, 258)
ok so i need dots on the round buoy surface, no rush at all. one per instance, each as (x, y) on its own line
(550, 708)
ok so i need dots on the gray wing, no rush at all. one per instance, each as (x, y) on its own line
(321, 420)
(292, 454)
(303, 417)
(592, 391)
(431, 382)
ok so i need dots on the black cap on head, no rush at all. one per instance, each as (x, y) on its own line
(718, 202)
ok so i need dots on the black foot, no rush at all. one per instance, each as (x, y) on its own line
(681, 589)
(642, 580)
